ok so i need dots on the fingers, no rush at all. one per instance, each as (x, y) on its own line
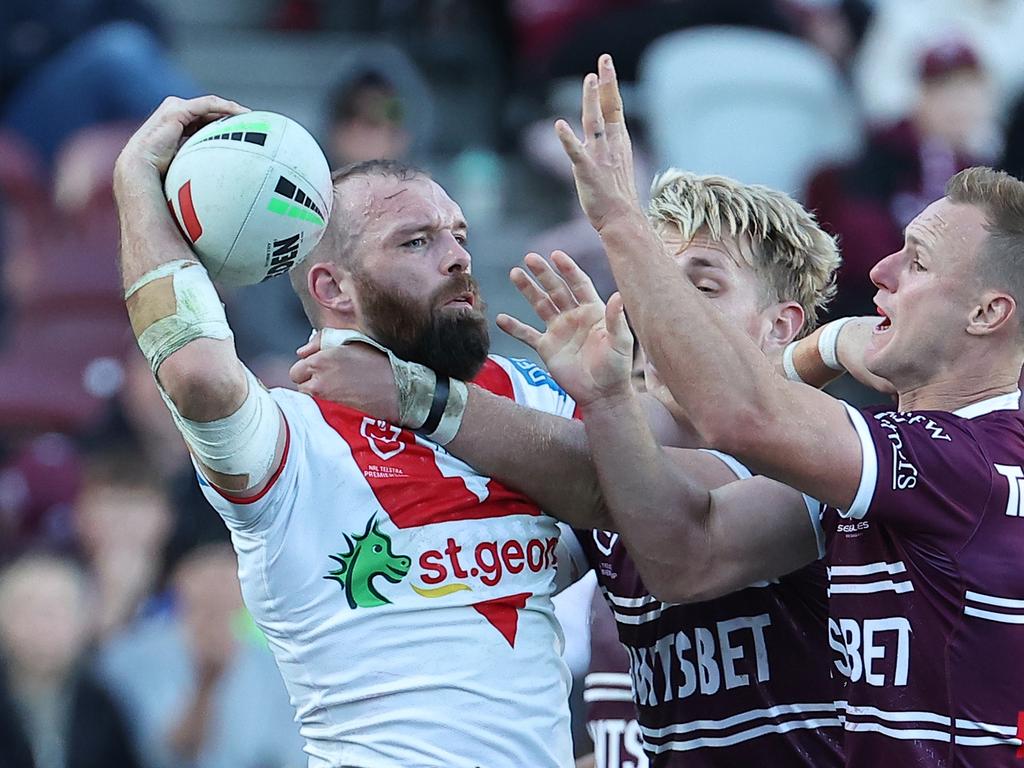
(608, 91)
(300, 372)
(557, 290)
(593, 120)
(573, 146)
(615, 322)
(542, 305)
(579, 282)
(519, 330)
(310, 348)
(211, 105)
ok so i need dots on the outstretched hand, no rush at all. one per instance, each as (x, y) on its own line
(602, 162)
(586, 346)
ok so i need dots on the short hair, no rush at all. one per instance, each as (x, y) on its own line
(340, 238)
(1000, 197)
(794, 256)
(346, 105)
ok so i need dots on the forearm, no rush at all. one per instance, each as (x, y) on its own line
(691, 342)
(540, 454)
(203, 378)
(659, 511)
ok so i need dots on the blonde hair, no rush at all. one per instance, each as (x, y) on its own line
(1000, 197)
(795, 258)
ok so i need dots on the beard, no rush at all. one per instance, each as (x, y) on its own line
(452, 342)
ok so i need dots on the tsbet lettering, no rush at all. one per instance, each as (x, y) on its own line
(490, 560)
(871, 651)
(283, 254)
(1015, 477)
(613, 737)
(680, 665)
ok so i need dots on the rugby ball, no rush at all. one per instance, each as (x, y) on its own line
(252, 194)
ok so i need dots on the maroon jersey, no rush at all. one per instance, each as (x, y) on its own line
(736, 681)
(926, 583)
(607, 691)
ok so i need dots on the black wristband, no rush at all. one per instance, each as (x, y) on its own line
(441, 390)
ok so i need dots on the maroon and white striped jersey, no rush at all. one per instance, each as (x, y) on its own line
(926, 583)
(608, 693)
(740, 680)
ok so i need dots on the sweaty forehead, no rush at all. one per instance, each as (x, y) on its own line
(946, 225)
(727, 253)
(386, 202)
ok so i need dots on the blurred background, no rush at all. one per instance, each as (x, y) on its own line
(123, 641)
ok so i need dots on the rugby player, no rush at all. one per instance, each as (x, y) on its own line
(405, 596)
(923, 504)
(734, 668)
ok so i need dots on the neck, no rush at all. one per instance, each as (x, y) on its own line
(31, 685)
(956, 392)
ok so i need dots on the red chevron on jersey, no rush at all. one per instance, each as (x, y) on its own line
(417, 482)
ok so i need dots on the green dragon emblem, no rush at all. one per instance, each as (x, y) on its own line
(368, 556)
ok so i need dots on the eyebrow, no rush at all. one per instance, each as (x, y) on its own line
(916, 241)
(704, 262)
(425, 226)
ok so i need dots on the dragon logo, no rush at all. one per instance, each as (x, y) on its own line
(368, 556)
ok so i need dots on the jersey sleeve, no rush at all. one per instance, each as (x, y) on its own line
(535, 388)
(920, 471)
(255, 513)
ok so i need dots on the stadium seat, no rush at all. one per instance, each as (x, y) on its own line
(758, 106)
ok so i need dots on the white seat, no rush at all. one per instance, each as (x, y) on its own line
(760, 107)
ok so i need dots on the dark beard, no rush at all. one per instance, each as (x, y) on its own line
(451, 342)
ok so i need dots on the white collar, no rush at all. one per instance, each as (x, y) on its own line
(1008, 402)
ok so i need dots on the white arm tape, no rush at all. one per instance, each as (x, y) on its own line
(198, 312)
(827, 342)
(787, 363)
(243, 443)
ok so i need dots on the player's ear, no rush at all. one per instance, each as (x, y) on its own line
(784, 321)
(330, 285)
(995, 311)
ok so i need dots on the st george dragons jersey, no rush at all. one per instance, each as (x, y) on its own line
(926, 588)
(406, 597)
(739, 680)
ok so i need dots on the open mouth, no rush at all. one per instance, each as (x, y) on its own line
(885, 324)
(463, 300)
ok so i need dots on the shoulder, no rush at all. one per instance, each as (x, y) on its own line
(525, 382)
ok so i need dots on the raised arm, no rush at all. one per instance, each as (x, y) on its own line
(735, 398)
(177, 316)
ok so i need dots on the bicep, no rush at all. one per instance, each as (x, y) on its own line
(805, 440)
(760, 529)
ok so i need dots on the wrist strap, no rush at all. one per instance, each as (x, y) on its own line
(437, 406)
(788, 365)
(828, 341)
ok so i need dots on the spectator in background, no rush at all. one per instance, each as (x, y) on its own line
(380, 107)
(201, 686)
(123, 518)
(901, 31)
(68, 64)
(53, 713)
(868, 202)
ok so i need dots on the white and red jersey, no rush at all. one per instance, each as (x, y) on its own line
(406, 597)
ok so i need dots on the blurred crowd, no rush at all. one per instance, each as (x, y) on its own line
(123, 638)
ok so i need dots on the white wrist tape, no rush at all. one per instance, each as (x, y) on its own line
(416, 385)
(196, 313)
(828, 341)
(787, 363)
(243, 443)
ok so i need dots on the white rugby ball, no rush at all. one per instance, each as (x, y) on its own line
(252, 194)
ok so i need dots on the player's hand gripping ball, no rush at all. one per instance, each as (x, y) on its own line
(251, 194)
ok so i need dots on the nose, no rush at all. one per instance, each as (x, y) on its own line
(456, 258)
(883, 274)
